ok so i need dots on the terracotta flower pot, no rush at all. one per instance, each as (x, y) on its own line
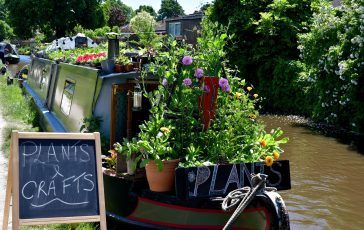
(118, 68)
(207, 102)
(161, 181)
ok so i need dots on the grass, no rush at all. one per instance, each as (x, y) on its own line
(18, 111)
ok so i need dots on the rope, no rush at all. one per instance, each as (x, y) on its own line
(243, 197)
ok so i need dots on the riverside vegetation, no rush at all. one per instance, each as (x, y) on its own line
(18, 112)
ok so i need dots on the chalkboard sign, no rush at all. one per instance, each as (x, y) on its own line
(57, 178)
(219, 180)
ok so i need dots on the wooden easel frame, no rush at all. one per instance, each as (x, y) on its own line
(12, 188)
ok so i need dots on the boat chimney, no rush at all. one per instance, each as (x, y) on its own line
(113, 49)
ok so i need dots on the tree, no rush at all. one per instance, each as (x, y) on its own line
(148, 9)
(2, 10)
(53, 16)
(5, 30)
(169, 9)
(116, 13)
(143, 24)
(265, 44)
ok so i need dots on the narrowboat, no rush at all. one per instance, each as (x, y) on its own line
(65, 94)
(8, 53)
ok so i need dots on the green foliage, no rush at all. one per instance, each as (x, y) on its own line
(2, 10)
(266, 40)
(148, 9)
(16, 110)
(170, 9)
(175, 128)
(53, 16)
(116, 13)
(82, 226)
(333, 52)
(143, 24)
(6, 32)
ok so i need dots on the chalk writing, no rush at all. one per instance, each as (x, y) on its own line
(57, 175)
(218, 180)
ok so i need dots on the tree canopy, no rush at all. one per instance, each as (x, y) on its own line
(50, 16)
(169, 9)
(116, 13)
(2, 10)
(148, 9)
(5, 30)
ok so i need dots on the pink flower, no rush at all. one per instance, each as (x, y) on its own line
(199, 73)
(187, 82)
(187, 60)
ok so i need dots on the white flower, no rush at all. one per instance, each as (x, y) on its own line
(354, 82)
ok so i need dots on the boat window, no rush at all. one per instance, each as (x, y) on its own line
(80, 42)
(68, 91)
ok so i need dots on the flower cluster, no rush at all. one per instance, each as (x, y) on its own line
(90, 57)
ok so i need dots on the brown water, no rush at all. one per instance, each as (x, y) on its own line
(14, 68)
(327, 179)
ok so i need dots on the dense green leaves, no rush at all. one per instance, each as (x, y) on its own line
(333, 52)
(169, 9)
(48, 16)
(5, 31)
(148, 9)
(265, 42)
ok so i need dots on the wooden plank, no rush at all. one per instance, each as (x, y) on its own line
(100, 182)
(60, 220)
(15, 190)
(49, 135)
(9, 185)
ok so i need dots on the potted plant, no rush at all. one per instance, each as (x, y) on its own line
(177, 128)
(119, 64)
(130, 150)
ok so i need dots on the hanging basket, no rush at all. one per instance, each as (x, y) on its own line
(207, 102)
(161, 181)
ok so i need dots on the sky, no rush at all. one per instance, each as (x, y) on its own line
(189, 6)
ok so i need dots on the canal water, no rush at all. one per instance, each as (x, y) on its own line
(327, 178)
(326, 175)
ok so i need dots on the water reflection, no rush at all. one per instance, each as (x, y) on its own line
(327, 183)
(14, 68)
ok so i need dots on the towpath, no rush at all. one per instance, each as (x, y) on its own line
(3, 173)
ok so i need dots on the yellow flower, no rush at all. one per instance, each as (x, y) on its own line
(252, 116)
(263, 143)
(255, 95)
(165, 130)
(269, 161)
(238, 95)
(275, 155)
(249, 88)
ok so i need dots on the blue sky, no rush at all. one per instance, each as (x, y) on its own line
(189, 6)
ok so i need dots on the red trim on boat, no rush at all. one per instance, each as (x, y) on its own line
(192, 209)
(166, 224)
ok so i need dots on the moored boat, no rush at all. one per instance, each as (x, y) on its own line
(66, 94)
(8, 53)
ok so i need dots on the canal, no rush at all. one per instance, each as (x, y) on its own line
(326, 175)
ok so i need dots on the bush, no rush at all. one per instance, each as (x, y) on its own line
(333, 53)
